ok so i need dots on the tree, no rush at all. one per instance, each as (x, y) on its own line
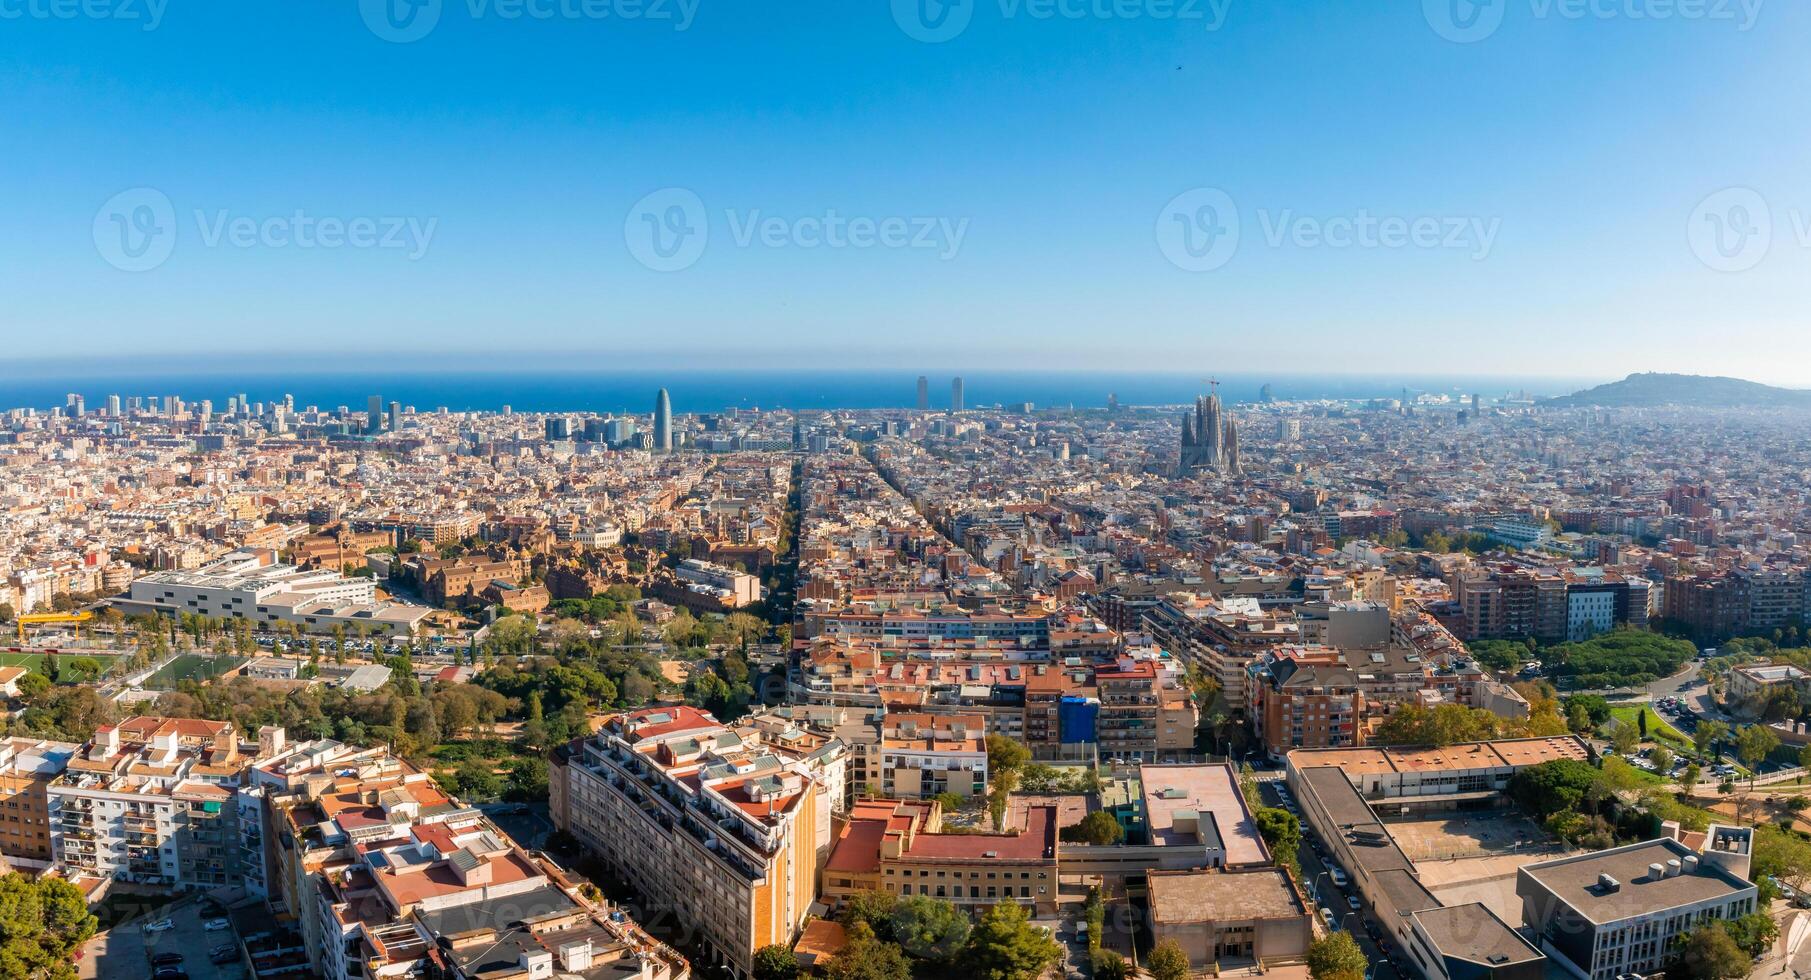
(476, 782)
(1753, 932)
(1248, 786)
(1708, 733)
(870, 907)
(930, 929)
(1097, 828)
(1753, 746)
(1336, 956)
(1005, 753)
(1662, 758)
(1004, 945)
(1109, 965)
(1282, 833)
(1708, 953)
(1552, 787)
(42, 924)
(1624, 738)
(867, 957)
(1689, 777)
(1167, 961)
(775, 962)
(1804, 757)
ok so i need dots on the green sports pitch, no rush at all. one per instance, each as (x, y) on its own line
(34, 662)
(191, 667)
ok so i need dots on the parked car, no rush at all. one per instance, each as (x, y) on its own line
(167, 959)
(215, 925)
(1327, 917)
(159, 926)
(1352, 900)
(1339, 877)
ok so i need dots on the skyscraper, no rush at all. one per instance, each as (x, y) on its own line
(396, 416)
(924, 393)
(663, 422)
(956, 395)
(374, 413)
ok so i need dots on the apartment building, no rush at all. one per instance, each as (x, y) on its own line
(151, 800)
(27, 768)
(1304, 697)
(1759, 680)
(897, 846)
(387, 876)
(723, 831)
(923, 755)
(1616, 912)
(1224, 636)
(1143, 714)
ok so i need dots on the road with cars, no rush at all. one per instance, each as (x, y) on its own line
(1336, 905)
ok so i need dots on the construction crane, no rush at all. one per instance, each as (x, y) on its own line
(45, 619)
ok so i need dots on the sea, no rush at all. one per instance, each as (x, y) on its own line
(633, 391)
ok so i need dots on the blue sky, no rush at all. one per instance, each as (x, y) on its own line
(1022, 184)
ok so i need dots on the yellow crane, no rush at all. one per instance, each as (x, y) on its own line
(45, 619)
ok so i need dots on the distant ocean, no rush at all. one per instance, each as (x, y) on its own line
(713, 391)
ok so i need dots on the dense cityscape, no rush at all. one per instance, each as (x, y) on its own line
(1428, 686)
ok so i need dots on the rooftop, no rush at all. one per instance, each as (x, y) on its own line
(1206, 896)
(1575, 880)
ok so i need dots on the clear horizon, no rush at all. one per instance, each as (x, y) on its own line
(1356, 189)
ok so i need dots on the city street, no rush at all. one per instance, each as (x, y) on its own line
(1318, 881)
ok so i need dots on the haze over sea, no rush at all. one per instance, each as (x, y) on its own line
(633, 391)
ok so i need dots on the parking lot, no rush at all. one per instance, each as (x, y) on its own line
(126, 952)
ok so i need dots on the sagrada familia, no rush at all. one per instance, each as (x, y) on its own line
(1210, 440)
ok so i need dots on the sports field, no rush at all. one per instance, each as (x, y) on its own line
(191, 666)
(34, 662)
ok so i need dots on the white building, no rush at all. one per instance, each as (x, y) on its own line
(740, 588)
(247, 585)
(1589, 612)
(1614, 912)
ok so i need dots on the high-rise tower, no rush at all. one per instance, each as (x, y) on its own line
(924, 393)
(956, 395)
(663, 422)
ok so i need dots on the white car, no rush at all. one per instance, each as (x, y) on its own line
(215, 925)
(159, 926)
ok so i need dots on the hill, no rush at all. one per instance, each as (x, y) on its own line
(1695, 390)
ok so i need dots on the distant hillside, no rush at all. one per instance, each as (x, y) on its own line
(1694, 390)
